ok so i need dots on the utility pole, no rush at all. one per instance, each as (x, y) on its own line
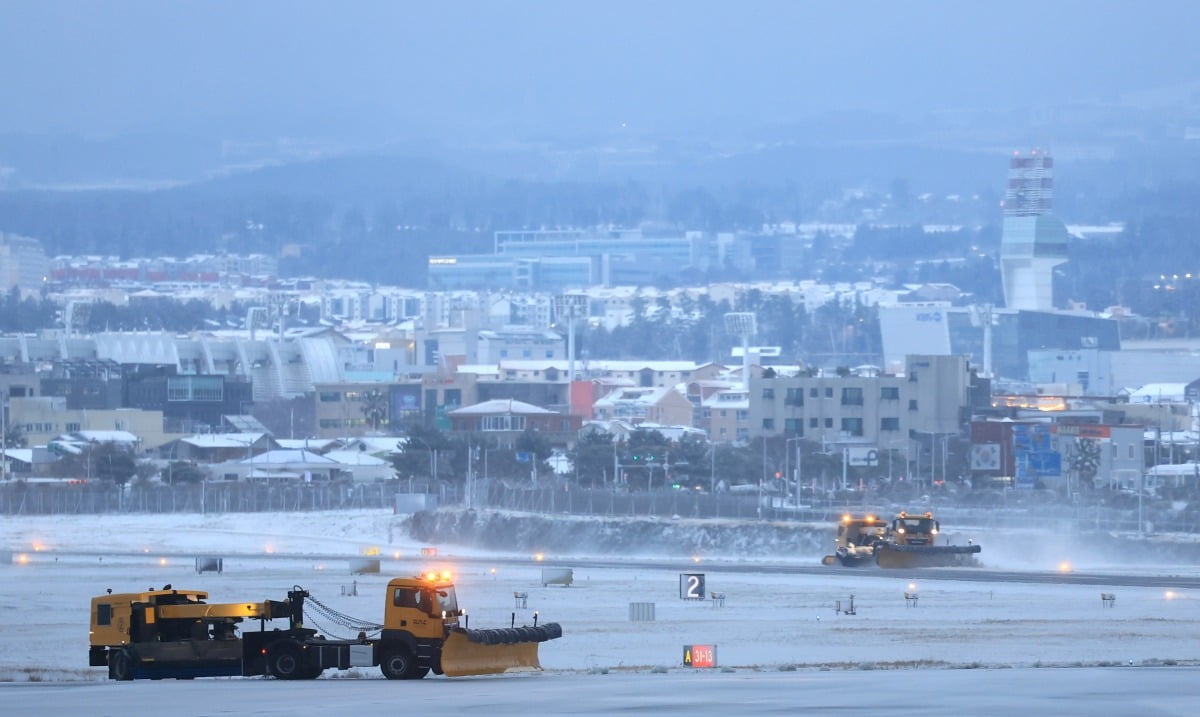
(845, 464)
(712, 476)
(616, 465)
(470, 478)
(4, 436)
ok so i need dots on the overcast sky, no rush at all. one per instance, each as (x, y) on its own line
(544, 67)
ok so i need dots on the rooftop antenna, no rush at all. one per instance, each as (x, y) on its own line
(744, 325)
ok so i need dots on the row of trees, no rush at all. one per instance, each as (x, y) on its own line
(645, 460)
(29, 314)
(694, 329)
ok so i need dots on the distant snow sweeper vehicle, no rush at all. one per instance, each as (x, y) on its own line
(909, 541)
(177, 634)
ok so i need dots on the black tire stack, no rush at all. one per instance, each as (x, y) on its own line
(512, 635)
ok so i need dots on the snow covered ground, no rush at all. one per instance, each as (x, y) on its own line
(778, 632)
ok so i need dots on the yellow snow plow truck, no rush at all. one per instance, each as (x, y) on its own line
(178, 634)
(909, 541)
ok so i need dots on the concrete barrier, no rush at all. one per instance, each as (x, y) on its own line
(558, 576)
(414, 503)
(209, 564)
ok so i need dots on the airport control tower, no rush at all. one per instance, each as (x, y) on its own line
(1033, 241)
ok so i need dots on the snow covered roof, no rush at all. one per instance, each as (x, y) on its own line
(613, 381)
(1179, 470)
(288, 456)
(356, 458)
(24, 455)
(597, 365)
(479, 369)
(283, 475)
(375, 445)
(108, 436)
(672, 433)
(638, 396)
(223, 440)
(500, 406)
(315, 444)
(737, 398)
(1155, 392)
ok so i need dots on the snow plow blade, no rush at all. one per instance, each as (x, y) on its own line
(925, 556)
(494, 652)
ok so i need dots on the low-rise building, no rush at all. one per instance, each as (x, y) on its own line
(660, 405)
(505, 421)
(44, 418)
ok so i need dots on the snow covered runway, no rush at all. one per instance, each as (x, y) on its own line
(786, 646)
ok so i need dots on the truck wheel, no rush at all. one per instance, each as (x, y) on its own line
(285, 660)
(120, 665)
(398, 664)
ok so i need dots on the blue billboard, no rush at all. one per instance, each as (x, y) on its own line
(1033, 455)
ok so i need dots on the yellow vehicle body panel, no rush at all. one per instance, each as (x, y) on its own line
(215, 610)
(461, 657)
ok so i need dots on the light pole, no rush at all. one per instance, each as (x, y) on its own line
(432, 456)
(249, 454)
(787, 465)
(897, 442)
(470, 474)
(712, 476)
(4, 436)
(945, 440)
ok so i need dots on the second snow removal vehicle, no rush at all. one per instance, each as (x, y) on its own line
(909, 541)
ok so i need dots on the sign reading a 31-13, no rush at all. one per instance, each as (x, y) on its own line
(691, 586)
(699, 655)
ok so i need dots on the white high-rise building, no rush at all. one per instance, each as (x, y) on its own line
(1033, 240)
(23, 264)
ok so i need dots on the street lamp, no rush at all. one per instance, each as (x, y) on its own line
(787, 465)
(432, 456)
(897, 442)
(4, 436)
(712, 476)
(249, 453)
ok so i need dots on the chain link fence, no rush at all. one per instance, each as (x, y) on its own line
(45, 499)
(21, 498)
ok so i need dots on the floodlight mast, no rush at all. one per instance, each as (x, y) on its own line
(742, 324)
(984, 316)
(570, 306)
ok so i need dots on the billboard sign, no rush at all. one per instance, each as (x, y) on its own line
(1033, 454)
(862, 456)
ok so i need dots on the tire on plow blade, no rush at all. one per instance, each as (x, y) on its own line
(494, 652)
(926, 556)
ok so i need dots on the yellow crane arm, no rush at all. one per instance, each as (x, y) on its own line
(217, 610)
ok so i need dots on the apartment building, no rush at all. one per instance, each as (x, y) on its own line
(933, 396)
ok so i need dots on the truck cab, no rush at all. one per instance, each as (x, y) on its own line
(426, 607)
(914, 529)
